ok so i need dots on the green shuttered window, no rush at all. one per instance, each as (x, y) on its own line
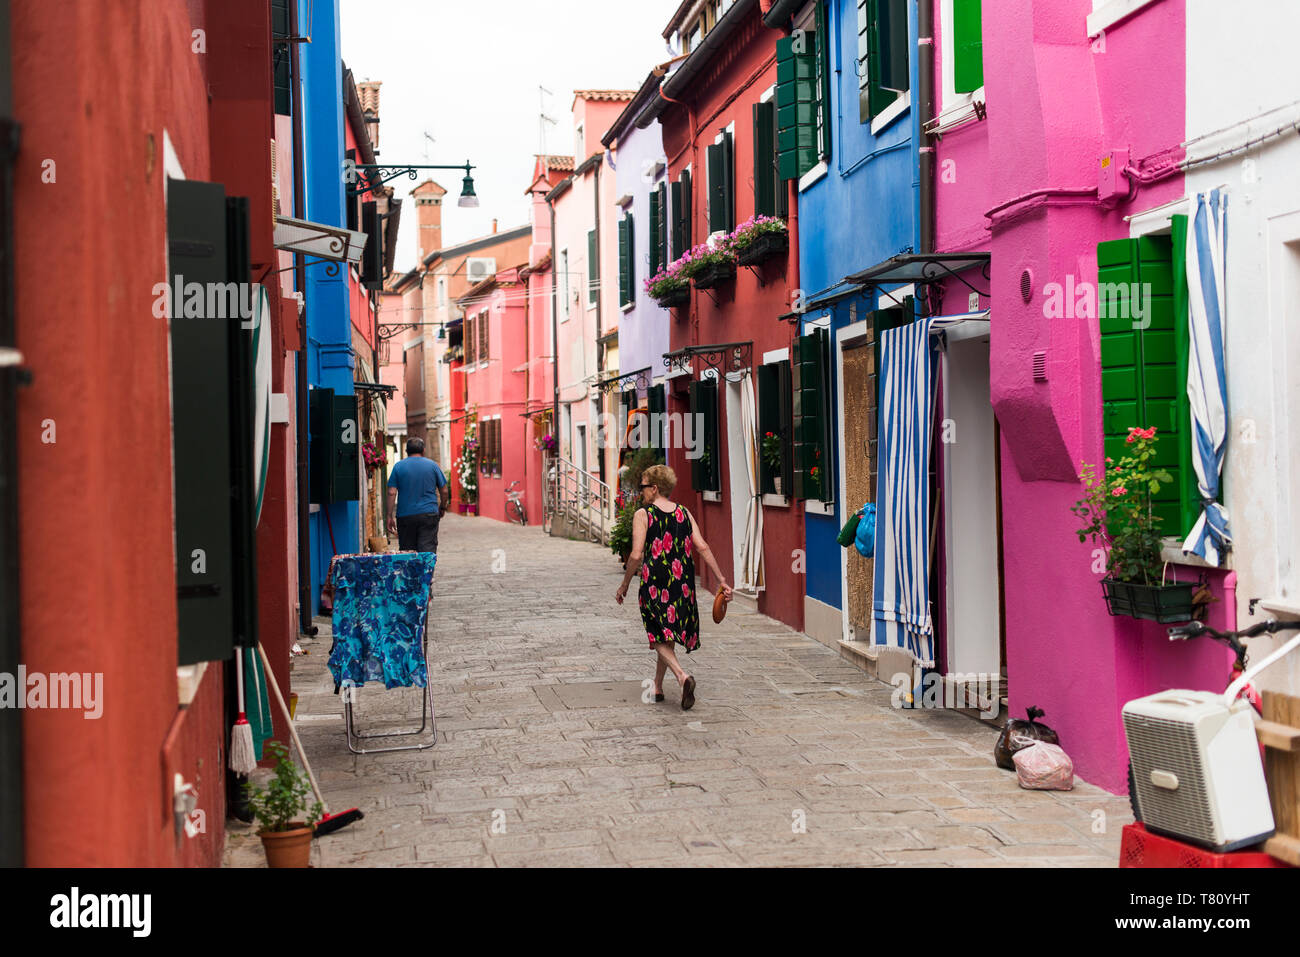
(882, 47)
(967, 46)
(593, 268)
(656, 216)
(1144, 350)
(775, 406)
(796, 105)
(722, 193)
(766, 184)
(811, 416)
(626, 261)
(704, 416)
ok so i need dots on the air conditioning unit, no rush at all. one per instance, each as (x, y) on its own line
(478, 268)
(1197, 770)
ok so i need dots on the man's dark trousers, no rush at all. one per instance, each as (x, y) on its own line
(418, 533)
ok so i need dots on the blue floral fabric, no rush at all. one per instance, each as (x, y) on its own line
(380, 602)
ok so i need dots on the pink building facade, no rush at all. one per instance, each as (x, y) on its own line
(1027, 170)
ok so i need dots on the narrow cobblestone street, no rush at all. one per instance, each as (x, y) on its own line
(547, 755)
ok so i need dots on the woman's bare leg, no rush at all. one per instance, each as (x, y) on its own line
(661, 668)
(667, 657)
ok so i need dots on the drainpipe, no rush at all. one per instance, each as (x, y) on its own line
(601, 350)
(11, 727)
(555, 337)
(300, 284)
(925, 110)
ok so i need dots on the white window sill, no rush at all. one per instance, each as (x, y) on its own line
(1113, 13)
(713, 496)
(813, 175)
(815, 507)
(775, 501)
(1171, 551)
(892, 112)
(628, 306)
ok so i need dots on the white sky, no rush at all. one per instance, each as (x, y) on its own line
(467, 73)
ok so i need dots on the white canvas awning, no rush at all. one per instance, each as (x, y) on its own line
(315, 239)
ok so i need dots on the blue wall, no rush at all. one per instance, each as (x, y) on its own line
(329, 357)
(862, 212)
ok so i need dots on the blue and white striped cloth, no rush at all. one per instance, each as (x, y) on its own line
(901, 600)
(1206, 386)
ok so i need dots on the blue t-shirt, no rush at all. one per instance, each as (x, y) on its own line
(417, 481)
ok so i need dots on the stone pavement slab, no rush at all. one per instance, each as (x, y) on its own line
(548, 753)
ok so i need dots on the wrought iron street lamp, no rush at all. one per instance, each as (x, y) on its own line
(371, 175)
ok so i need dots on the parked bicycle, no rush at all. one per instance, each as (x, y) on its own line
(515, 504)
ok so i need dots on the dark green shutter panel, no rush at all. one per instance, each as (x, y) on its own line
(593, 267)
(717, 189)
(334, 447)
(280, 53)
(678, 233)
(688, 211)
(785, 394)
(764, 151)
(351, 202)
(372, 257)
(1140, 384)
(729, 179)
(624, 255)
(656, 405)
(698, 471)
(967, 45)
(769, 420)
(864, 53)
(212, 390)
(809, 414)
(654, 233)
(796, 107)
(893, 45)
(631, 258)
(878, 96)
(823, 88)
(662, 232)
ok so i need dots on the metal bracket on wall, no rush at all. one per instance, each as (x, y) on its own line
(723, 358)
(757, 275)
(640, 378)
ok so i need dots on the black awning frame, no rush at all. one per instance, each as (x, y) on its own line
(734, 355)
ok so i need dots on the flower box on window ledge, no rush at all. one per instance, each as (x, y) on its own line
(714, 274)
(763, 247)
(678, 296)
(1166, 604)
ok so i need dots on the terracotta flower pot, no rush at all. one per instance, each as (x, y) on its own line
(291, 848)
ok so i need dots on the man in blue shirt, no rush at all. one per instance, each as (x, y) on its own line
(417, 496)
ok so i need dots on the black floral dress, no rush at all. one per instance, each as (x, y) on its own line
(668, 608)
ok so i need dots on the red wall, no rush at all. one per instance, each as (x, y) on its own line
(745, 311)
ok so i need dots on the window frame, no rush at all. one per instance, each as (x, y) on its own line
(952, 100)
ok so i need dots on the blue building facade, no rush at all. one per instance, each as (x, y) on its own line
(857, 208)
(328, 353)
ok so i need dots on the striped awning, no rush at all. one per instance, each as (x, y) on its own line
(1207, 389)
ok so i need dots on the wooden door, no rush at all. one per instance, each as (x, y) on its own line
(859, 449)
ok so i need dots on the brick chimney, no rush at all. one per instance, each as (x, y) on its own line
(494, 225)
(368, 94)
(428, 210)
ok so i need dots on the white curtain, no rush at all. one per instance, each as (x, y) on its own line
(750, 573)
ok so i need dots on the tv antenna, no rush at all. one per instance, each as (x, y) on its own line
(543, 118)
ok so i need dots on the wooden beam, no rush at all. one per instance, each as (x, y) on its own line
(1280, 737)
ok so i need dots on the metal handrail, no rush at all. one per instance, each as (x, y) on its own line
(576, 494)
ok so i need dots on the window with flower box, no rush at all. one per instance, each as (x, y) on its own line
(810, 415)
(775, 410)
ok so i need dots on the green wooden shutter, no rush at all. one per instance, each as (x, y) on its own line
(785, 398)
(893, 45)
(877, 95)
(1140, 359)
(717, 189)
(699, 479)
(624, 274)
(764, 150)
(729, 180)
(1190, 497)
(631, 257)
(656, 405)
(711, 472)
(823, 86)
(281, 80)
(769, 420)
(809, 414)
(593, 268)
(796, 107)
(676, 215)
(967, 45)
(655, 216)
(688, 211)
(661, 233)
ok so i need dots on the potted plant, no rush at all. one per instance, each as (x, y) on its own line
(759, 238)
(547, 444)
(374, 454)
(708, 265)
(1118, 514)
(668, 288)
(771, 452)
(280, 808)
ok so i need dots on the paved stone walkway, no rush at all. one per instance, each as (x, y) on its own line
(547, 755)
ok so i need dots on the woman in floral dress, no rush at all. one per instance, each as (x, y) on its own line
(669, 611)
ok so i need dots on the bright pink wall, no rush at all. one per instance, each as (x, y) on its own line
(1056, 104)
(498, 389)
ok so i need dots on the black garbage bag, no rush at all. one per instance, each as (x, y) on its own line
(1019, 734)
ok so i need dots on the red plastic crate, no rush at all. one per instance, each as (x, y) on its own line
(1141, 848)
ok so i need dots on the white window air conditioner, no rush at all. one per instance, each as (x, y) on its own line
(478, 268)
(1197, 770)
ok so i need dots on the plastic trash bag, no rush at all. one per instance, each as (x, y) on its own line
(865, 538)
(1020, 734)
(1044, 767)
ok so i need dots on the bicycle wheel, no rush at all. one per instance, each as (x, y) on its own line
(513, 511)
